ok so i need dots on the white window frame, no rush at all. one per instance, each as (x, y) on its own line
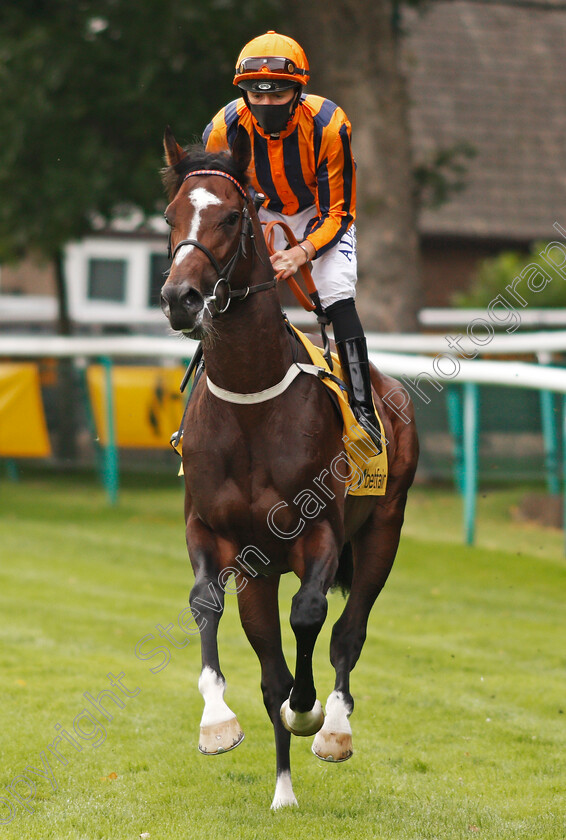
(134, 309)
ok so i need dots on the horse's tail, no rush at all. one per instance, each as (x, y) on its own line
(343, 579)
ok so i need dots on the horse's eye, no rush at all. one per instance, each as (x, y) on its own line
(231, 219)
(167, 220)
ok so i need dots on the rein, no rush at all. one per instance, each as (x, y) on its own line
(312, 305)
(225, 273)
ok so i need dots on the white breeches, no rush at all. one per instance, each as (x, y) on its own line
(335, 272)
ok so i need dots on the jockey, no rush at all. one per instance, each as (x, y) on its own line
(302, 162)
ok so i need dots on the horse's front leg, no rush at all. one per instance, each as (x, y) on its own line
(219, 727)
(316, 559)
(259, 613)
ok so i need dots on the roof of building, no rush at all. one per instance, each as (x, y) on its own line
(492, 73)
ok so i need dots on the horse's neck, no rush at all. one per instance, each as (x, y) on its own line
(250, 349)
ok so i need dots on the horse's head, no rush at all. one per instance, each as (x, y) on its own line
(209, 217)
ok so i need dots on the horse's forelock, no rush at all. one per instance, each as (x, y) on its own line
(198, 158)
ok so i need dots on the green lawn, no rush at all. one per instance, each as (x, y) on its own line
(459, 726)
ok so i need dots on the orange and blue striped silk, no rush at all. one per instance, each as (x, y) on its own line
(309, 164)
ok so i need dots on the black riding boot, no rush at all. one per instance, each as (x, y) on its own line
(352, 350)
(353, 356)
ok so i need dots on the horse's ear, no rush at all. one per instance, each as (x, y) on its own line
(173, 152)
(242, 149)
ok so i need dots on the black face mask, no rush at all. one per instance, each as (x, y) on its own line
(272, 118)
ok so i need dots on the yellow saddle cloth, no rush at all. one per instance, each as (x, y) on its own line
(368, 474)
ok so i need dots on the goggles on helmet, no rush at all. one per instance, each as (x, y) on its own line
(272, 64)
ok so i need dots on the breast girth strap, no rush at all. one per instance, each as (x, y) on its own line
(269, 393)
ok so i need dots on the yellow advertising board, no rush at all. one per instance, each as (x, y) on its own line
(146, 400)
(23, 431)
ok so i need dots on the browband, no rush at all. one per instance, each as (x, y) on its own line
(236, 183)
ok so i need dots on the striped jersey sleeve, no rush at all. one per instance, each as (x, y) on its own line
(335, 174)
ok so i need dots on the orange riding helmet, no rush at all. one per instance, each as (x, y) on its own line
(271, 62)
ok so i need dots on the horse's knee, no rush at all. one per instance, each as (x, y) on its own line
(206, 597)
(308, 610)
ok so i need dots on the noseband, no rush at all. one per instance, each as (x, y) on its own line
(224, 274)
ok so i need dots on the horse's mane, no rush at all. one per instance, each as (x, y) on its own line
(198, 158)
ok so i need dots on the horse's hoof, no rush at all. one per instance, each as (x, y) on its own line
(220, 737)
(332, 746)
(302, 723)
(334, 741)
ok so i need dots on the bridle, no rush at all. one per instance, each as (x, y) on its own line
(225, 273)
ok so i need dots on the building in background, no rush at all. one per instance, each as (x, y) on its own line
(490, 73)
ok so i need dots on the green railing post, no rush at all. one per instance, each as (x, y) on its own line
(471, 440)
(110, 459)
(550, 441)
(12, 471)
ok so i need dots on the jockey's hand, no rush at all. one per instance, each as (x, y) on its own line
(287, 263)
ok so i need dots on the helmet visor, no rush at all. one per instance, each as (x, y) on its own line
(272, 64)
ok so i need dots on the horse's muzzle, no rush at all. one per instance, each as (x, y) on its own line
(182, 304)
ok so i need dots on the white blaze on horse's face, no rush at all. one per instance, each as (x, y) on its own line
(200, 199)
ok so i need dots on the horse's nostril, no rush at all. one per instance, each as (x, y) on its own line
(193, 300)
(181, 297)
(181, 304)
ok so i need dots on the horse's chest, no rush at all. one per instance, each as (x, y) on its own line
(234, 487)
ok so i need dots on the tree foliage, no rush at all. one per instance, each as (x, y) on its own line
(537, 277)
(86, 90)
(443, 175)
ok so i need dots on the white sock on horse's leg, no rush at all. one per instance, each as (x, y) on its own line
(334, 741)
(219, 727)
(283, 791)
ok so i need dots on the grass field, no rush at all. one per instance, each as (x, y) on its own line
(459, 726)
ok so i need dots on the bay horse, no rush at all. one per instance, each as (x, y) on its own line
(261, 498)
